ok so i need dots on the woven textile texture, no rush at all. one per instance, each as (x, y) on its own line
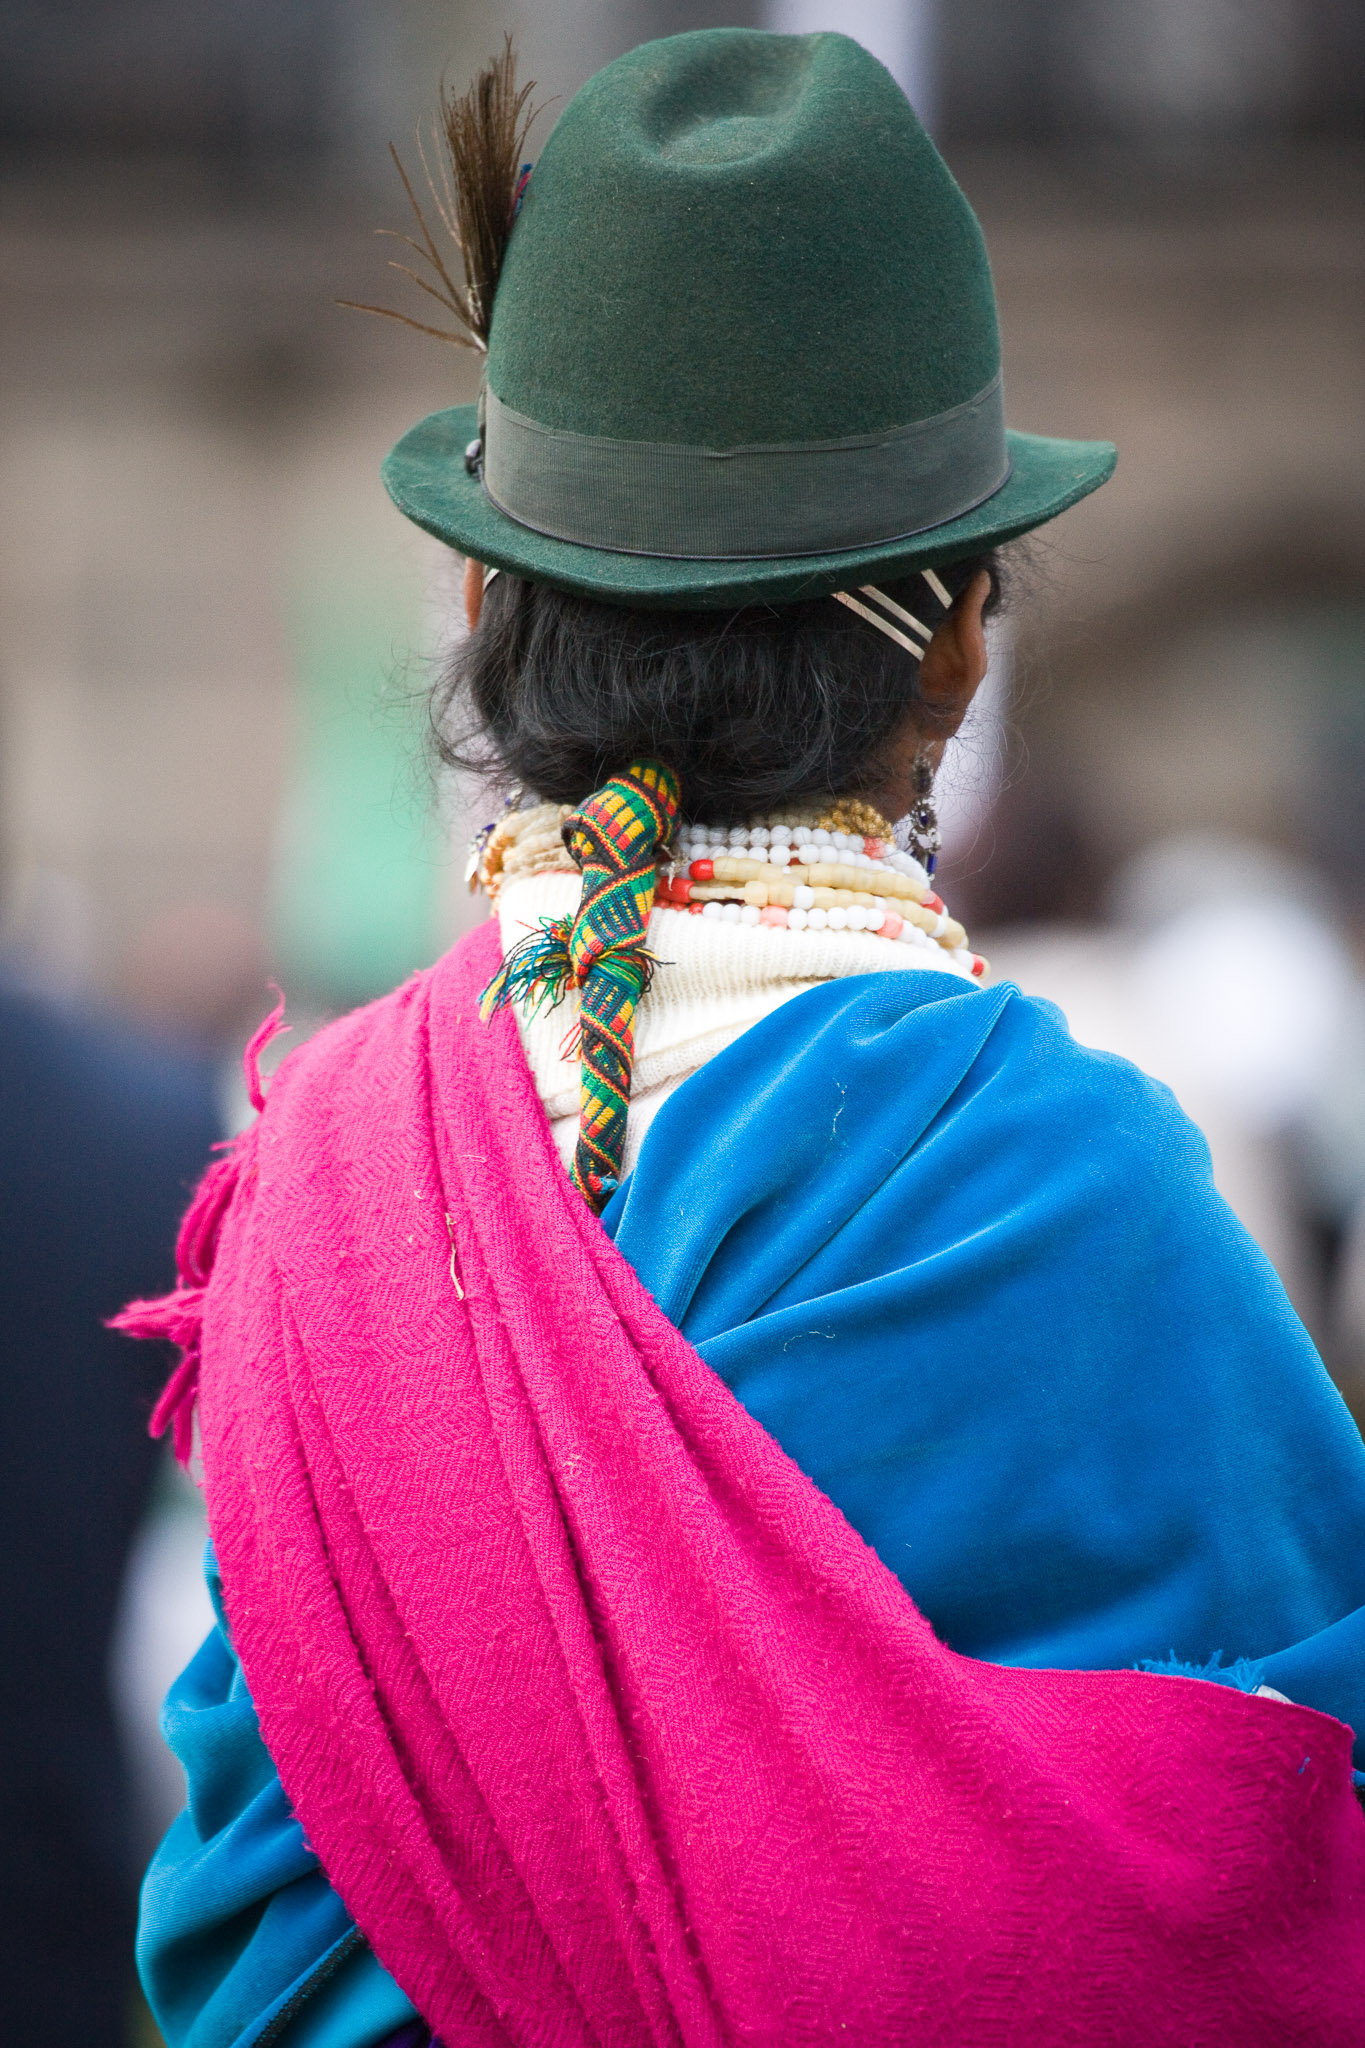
(604, 1723)
(615, 840)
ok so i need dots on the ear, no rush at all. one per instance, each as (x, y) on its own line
(954, 662)
(473, 591)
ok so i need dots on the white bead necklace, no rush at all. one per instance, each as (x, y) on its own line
(799, 876)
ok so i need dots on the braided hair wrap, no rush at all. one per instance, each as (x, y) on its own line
(615, 839)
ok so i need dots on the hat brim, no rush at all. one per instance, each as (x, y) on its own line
(425, 475)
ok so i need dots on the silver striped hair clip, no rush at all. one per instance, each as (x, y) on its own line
(888, 604)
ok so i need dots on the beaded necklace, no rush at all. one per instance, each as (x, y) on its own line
(836, 869)
(802, 870)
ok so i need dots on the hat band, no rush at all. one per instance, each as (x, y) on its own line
(737, 504)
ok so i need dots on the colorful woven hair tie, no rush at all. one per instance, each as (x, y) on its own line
(615, 839)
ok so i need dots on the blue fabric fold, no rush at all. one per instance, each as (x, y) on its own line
(238, 1920)
(976, 1280)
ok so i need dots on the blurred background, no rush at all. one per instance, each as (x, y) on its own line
(216, 636)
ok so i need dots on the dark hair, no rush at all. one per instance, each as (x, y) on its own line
(753, 709)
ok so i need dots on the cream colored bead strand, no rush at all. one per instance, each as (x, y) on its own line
(813, 874)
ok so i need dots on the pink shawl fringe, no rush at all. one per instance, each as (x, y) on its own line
(606, 1726)
(177, 1317)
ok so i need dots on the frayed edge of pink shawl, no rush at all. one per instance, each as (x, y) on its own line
(177, 1317)
(266, 1032)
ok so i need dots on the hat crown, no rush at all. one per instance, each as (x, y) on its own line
(734, 238)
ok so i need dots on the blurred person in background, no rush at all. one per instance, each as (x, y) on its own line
(549, 1696)
(102, 1130)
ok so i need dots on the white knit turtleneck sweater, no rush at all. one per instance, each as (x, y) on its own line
(713, 981)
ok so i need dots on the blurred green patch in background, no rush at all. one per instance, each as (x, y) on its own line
(357, 886)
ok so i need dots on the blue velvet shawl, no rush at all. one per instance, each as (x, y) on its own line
(976, 1280)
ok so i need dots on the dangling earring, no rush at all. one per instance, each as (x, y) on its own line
(924, 835)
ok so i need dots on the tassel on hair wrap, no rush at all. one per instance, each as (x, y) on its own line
(615, 838)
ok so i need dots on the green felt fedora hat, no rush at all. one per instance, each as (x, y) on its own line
(743, 349)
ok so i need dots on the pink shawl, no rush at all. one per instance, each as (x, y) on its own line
(605, 1725)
